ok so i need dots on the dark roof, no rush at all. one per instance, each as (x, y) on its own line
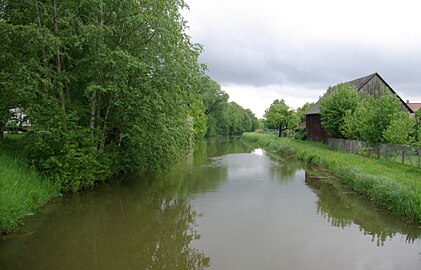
(414, 106)
(359, 83)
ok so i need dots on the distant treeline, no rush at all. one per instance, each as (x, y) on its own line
(107, 86)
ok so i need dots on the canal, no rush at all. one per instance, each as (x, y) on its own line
(227, 206)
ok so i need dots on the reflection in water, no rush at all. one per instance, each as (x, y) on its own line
(112, 229)
(220, 208)
(258, 151)
(139, 222)
(285, 171)
(343, 209)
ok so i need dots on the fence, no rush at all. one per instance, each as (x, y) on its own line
(404, 154)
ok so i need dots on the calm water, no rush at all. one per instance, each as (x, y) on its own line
(226, 206)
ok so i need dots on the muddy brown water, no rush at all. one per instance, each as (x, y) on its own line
(226, 206)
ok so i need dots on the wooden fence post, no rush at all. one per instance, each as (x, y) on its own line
(419, 157)
(403, 154)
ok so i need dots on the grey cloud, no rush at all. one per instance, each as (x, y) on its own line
(233, 60)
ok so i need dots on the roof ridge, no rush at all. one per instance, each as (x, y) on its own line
(359, 83)
(369, 77)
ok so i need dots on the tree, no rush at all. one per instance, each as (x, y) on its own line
(351, 125)
(240, 120)
(301, 111)
(375, 114)
(110, 84)
(215, 103)
(417, 127)
(334, 106)
(280, 116)
(400, 129)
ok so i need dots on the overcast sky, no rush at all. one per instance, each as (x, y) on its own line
(259, 51)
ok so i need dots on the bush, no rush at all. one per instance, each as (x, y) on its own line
(70, 160)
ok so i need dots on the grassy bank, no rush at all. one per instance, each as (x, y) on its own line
(395, 186)
(22, 192)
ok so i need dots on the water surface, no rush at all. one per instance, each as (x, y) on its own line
(226, 206)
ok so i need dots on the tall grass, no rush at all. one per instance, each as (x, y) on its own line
(22, 192)
(395, 186)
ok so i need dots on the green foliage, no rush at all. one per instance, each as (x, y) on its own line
(334, 106)
(346, 114)
(301, 111)
(417, 128)
(215, 104)
(351, 124)
(280, 116)
(63, 156)
(107, 85)
(22, 191)
(392, 185)
(400, 128)
(223, 117)
(375, 115)
(198, 118)
(300, 134)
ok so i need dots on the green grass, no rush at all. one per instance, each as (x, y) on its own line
(22, 192)
(393, 185)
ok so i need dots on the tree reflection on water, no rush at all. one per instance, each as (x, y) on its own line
(343, 208)
(130, 226)
(139, 222)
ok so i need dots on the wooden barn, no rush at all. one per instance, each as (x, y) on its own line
(369, 84)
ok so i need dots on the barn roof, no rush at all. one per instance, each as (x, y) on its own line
(414, 106)
(359, 84)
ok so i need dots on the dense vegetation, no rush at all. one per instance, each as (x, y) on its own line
(392, 185)
(346, 113)
(22, 191)
(107, 86)
(222, 117)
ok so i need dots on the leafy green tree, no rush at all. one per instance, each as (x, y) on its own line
(301, 111)
(240, 120)
(334, 106)
(351, 125)
(375, 114)
(19, 69)
(108, 86)
(280, 116)
(111, 84)
(417, 128)
(215, 106)
(400, 129)
(255, 123)
(198, 118)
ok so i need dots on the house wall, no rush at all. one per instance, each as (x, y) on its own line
(314, 128)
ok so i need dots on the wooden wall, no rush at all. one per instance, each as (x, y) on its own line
(376, 83)
(314, 128)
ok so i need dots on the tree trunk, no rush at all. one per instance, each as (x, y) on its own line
(59, 64)
(92, 123)
(104, 130)
(280, 131)
(1, 131)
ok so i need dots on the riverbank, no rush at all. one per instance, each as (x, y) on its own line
(394, 186)
(22, 192)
